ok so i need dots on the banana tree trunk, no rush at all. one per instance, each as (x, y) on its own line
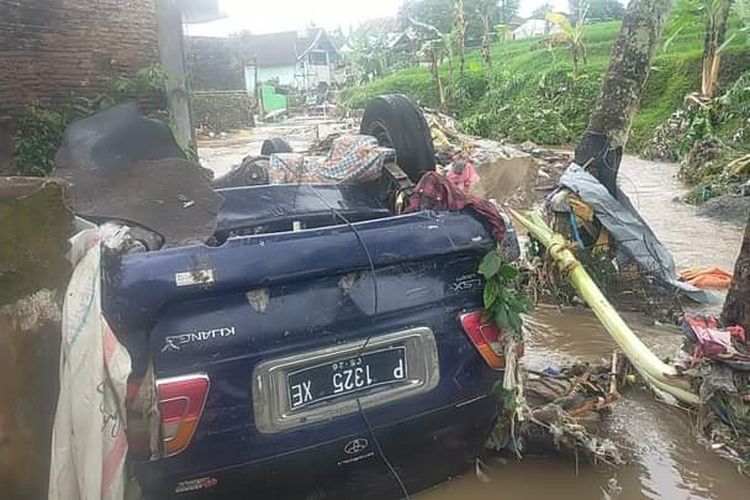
(435, 70)
(460, 37)
(716, 32)
(487, 46)
(654, 371)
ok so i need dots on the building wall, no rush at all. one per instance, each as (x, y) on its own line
(534, 28)
(306, 77)
(214, 64)
(285, 74)
(222, 110)
(315, 74)
(50, 49)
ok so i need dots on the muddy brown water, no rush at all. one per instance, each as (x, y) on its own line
(664, 460)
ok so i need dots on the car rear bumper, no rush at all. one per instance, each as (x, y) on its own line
(424, 449)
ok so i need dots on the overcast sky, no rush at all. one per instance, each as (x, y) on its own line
(279, 15)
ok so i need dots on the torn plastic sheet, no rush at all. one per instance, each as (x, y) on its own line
(635, 239)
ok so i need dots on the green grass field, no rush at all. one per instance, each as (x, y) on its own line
(533, 96)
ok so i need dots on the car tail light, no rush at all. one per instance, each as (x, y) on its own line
(138, 436)
(181, 402)
(487, 338)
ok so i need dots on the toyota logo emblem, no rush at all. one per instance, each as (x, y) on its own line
(356, 446)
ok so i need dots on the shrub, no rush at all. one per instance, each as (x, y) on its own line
(39, 131)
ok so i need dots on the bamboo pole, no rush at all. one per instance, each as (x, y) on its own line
(657, 373)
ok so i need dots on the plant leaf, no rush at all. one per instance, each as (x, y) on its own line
(501, 317)
(490, 265)
(516, 326)
(490, 293)
(508, 272)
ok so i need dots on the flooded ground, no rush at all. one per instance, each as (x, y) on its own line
(665, 461)
(693, 240)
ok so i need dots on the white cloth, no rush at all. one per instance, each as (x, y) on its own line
(89, 443)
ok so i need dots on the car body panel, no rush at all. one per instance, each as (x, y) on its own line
(268, 296)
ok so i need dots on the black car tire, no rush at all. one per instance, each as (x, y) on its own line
(275, 145)
(397, 122)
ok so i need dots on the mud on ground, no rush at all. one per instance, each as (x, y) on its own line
(523, 181)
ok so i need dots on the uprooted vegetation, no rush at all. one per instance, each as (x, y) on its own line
(712, 138)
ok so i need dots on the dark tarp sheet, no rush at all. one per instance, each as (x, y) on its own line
(635, 238)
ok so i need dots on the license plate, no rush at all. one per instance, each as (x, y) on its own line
(346, 376)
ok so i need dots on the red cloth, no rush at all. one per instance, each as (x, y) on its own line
(435, 192)
(464, 180)
(711, 340)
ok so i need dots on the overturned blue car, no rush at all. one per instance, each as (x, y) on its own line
(326, 340)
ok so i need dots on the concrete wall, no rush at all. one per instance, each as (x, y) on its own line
(52, 48)
(32, 286)
(285, 74)
(214, 64)
(221, 111)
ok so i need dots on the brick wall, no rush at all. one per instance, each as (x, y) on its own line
(52, 48)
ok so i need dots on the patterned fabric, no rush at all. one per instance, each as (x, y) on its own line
(435, 192)
(352, 159)
(288, 168)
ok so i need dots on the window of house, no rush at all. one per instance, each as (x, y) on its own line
(318, 58)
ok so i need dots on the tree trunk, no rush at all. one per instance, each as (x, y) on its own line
(460, 37)
(451, 87)
(487, 46)
(435, 70)
(737, 305)
(629, 67)
(716, 33)
(575, 11)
